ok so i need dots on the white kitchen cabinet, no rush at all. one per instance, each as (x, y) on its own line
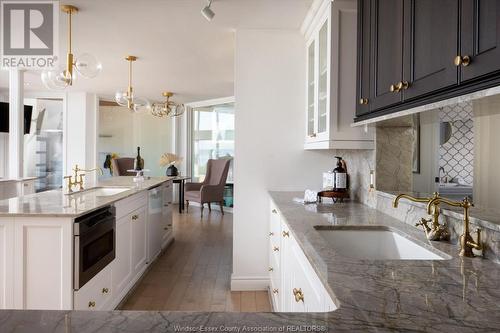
(6, 264)
(331, 79)
(293, 282)
(122, 265)
(96, 294)
(43, 263)
(27, 187)
(139, 241)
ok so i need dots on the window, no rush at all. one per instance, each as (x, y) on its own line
(212, 137)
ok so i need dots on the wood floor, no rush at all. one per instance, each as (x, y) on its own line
(194, 272)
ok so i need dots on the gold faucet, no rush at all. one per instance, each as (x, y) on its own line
(467, 243)
(437, 231)
(79, 182)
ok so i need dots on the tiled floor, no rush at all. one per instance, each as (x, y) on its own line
(194, 273)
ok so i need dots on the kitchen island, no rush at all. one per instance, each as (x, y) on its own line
(451, 295)
(85, 250)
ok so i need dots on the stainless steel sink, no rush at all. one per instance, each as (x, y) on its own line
(377, 243)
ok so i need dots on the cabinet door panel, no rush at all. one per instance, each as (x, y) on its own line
(139, 245)
(364, 57)
(480, 37)
(387, 30)
(122, 265)
(431, 45)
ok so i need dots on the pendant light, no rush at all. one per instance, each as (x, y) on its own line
(207, 12)
(85, 64)
(168, 107)
(127, 98)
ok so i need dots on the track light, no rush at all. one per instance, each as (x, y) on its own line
(207, 12)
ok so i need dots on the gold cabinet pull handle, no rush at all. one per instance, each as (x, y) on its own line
(404, 85)
(105, 290)
(393, 88)
(462, 61)
(363, 101)
(271, 234)
(271, 269)
(91, 304)
(135, 217)
(165, 228)
(274, 211)
(275, 291)
(276, 249)
(299, 295)
(286, 234)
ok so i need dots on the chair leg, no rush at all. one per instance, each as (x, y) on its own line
(201, 210)
(209, 207)
(187, 206)
(221, 207)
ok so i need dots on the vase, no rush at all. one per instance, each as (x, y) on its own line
(172, 171)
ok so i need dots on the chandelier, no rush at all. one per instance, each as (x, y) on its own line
(168, 107)
(86, 64)
(127, 98)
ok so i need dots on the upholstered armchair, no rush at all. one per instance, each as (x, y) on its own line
(212, 188)
(121, 165)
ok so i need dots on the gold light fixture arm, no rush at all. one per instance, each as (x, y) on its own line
(69, 9)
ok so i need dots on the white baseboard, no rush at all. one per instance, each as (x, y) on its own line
(249, 283)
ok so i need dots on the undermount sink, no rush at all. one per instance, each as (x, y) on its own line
(376, 243)
(107, 191)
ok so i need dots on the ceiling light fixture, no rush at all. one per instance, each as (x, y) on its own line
(167, 108)
(86, 64)
(127, 98)
(207, 12)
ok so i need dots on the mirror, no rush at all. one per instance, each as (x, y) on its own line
(445, 131)
(452, 150)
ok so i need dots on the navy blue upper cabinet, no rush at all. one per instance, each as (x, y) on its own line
(430, 46)
(423, 51)
(480, 38)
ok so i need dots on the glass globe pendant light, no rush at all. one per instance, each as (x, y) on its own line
(127, 98)
(85, 64)
(167, 108)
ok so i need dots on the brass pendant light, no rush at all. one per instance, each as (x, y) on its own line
(167, 108)
(85, 64)
(127, 98)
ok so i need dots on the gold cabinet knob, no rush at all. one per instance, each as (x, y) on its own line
(105, 290)
(276, 249)
(271, 234)
(275, 291)
(393, 88)
(274, 211)
(299, 295)
(404, 85)
(91, 304)
(271, 269)
(462, 61)
(286, 234)
(363, 101)
(135, 217)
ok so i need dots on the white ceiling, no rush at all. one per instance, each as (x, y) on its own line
(178, 49)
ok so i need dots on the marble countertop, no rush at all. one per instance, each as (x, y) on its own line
(56, 203)
(9, 180)
(455, 295)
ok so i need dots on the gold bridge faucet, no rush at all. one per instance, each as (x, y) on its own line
(436, 231)
(78, 181)
(467, 243)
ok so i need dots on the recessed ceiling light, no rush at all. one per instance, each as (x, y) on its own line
(207, 12)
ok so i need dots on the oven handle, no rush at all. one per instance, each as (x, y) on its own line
(97, 230)
(76, 264)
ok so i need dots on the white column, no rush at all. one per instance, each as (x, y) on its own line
(16, 123)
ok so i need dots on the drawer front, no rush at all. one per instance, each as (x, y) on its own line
(128, 205)
(95, 294)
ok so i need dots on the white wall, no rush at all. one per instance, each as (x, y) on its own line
(429, 153)
(121, 132)
(270, 129)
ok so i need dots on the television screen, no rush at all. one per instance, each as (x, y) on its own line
(4, 117)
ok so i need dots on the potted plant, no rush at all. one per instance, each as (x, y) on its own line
(170, 160)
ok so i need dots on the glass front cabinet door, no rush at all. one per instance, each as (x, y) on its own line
(331, 79)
